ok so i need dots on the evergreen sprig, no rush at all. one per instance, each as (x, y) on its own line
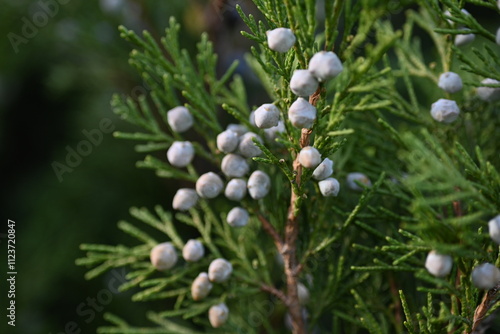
(360, 256)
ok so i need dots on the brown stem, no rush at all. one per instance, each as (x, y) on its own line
(481, 310)
(278, 293)
(269, 228)
(398, 309)
(292, 268)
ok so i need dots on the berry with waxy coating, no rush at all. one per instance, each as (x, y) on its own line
(302, 114)
(227, 141)
(237, 217)
(267, 116)
(184, 199)
(247, 147)
(437, 264)
(450, 82)
(329, 187)
(179, 119)
(325, 65)
(464, 39)
(488, 94)
(201, 286)
(280, 39)
(193, 250)
(209, 185)
(324, 170)
(219, 270)
(236, 189)
(218, 314)
(303, 294)
(163, 256)
(445, 111)
(309, 157)
(485, 276)
(258, 184)
(272, 133)
(180, 154)
(303, 83)
(240, 129)
(494, 229)
(352, 178)
(234, 165)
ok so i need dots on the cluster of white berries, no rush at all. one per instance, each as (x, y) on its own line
(164, 256)
(181, 153)
(484, 276)
(447, 111)
(219, 271)
(323, 66)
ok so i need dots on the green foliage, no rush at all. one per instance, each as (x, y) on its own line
(361, 255)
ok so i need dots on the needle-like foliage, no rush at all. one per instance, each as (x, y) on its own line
(427, 186)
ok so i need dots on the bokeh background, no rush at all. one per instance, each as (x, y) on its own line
(56, 81)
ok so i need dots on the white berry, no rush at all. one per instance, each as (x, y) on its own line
(193, 250)
(445, 111)
(352, 178)
(437, 264)
(209, 185)
(267, 116)
(236, 189)
(218, 314)
(219, 270)
(179, 119)
(237, 217)
(163, 256)
(240, 129)
(450, 82)
(485, 276)
(464, 39)
(303, 83)
(184, 199)
(247, 147)
(494, 229)
(258, 184)
(251, 118)
(324, 170)
(280, 39)
(309, 157)
(488, 94)
(180, 154)
(302, 114)
(234, 165)
(497, 39)
(325, 65)
(227, 141)
(272, 133)
(303, 294)
(329, 187)
(201, 287)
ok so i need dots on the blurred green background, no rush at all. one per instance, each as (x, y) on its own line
(60, 62)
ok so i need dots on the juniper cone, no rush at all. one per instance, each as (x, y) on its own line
(410, 243)
(280, 39)
(303, 83)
